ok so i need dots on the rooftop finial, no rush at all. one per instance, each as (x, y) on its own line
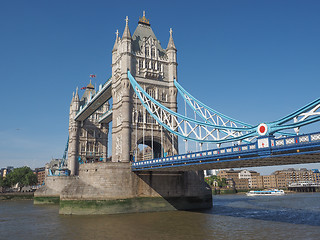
(90, 86)
(171, 42)
(143, 19)
(117, 34)
(126, 33)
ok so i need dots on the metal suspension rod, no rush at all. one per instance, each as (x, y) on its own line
(172, 143)
(185, 126)
(144, 121)
(195, 118)
(162, 148)
(137, 120)
(152, 137)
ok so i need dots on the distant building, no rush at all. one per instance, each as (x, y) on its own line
(145, 154)
(240, 179)
(257, 181)
(245, 179)
(269, 181)
(6, 171)
(41, 174)
(292, 175)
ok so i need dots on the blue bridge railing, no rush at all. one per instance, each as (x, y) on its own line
(264, 147)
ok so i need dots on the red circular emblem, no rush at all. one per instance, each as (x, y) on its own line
(262, 129)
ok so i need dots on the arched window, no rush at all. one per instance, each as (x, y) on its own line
(164, 97)
(150, 119)
(90, 146)
(83, 147)
(97, 148)
(153, 52)
(151, 92)
(147, 51)
(140, 63)
(140, 117)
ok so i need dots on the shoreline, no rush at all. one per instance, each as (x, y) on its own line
(16, 196)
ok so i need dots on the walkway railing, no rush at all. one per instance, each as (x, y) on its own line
(264, 147)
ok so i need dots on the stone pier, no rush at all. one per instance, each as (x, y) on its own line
(111, 188)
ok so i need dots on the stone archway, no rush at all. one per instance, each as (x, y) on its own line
(153, 145)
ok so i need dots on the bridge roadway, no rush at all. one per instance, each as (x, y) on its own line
(266, 151)
(96, 101)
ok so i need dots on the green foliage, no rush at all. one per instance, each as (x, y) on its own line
(22, 176)
(216, 181)
(4, 183)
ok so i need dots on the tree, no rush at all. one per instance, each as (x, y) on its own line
(22, 176)
(215, 179)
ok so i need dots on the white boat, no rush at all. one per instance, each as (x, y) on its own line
(273, 192)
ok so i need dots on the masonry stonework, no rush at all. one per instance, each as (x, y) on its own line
(107, 187)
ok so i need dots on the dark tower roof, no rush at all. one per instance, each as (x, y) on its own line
(142, 31)
(89, 90)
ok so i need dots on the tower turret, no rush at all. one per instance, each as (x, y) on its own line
(122, 95)
(74, 126)
(172, 71)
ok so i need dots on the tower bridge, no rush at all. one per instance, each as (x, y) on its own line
(140, 102)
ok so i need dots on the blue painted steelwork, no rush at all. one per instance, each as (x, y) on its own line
(265, 147)
(64, 157)
(207, 113)
(185, 94)
(173, 121)
(166, 122)
(62, 169)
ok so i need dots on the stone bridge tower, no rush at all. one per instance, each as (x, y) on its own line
(155, 69)
(105, 187)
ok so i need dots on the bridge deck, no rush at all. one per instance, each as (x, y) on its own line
(101, 97)
(107, 117)
(266, 151)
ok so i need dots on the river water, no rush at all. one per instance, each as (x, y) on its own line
(293, 216)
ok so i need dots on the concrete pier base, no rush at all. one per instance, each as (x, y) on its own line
(112, 188)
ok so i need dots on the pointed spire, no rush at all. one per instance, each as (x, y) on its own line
(126, 32)
(171, 42)
(115, 46)
(76, 97)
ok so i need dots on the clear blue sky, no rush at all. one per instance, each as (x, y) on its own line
(253, 60)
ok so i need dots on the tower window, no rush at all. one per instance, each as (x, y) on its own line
(153, 52)
(140, 117)
(147, 51)
(151, 92)
(83, 148)
(164, 97)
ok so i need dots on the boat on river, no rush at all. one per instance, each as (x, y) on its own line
(273, 192)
